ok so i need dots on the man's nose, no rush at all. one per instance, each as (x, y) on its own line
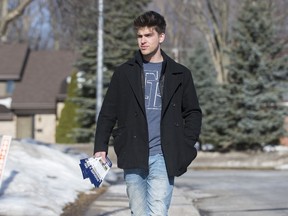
(143, 40)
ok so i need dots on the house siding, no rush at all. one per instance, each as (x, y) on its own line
(8, 127)
(45, 125)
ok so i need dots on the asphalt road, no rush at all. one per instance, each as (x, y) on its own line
(237, 192)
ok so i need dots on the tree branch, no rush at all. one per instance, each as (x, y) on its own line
(12, 15)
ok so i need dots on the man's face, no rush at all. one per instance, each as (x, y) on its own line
(149, 40)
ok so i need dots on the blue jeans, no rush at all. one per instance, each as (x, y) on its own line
(149, 191)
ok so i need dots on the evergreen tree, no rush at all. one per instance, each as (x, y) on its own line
(67, 121)
(119, 45)
(256, 75)
(212, 98)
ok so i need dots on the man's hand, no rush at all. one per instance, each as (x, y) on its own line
(101, 154)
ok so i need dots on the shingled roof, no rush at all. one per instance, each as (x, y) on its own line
(42, 82)
(13, 59)
(5, 113)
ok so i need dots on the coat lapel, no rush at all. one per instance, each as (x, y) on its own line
(173, 79)
(134, 77)
(171, 83)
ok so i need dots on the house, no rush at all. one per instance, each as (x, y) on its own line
(32, 90)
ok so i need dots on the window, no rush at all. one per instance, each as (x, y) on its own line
(9, 87)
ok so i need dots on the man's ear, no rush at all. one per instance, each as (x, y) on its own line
(161, 37)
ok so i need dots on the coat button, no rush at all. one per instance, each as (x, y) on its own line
(134, 136)
(174, 105)
(176, 124)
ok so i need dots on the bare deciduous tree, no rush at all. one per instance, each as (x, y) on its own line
(211, 18)
(8, 16)
(178, 33)
(214, 19)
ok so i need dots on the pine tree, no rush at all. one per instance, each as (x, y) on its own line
(119, 45)
(212, 99)
(256, 76)
(67, 121)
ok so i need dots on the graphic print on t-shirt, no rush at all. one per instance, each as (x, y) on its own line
(153, 103)
(152, 91)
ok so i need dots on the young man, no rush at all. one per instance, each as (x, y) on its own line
(153, 101)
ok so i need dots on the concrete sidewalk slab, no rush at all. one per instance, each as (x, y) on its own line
(114, 202)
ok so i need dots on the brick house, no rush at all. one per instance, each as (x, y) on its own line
(32, 90)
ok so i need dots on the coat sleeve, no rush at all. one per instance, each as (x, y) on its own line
(107, 116)
(191, 111)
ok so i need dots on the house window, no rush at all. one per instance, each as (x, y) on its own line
(9, 87)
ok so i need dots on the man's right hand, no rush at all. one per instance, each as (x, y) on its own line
(101, 154)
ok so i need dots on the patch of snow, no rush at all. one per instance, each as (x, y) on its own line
(39, 180)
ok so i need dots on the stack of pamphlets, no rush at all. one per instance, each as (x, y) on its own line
(95, 169)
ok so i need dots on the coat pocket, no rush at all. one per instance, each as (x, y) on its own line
(119, 135)
(188, 153)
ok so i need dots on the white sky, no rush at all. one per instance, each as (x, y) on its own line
(39, 180)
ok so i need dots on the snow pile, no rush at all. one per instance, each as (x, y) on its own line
(275, 148)
(39, 180)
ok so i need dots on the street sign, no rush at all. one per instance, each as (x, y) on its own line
(4, 148)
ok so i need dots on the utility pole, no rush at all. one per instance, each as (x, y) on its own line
(99, 85)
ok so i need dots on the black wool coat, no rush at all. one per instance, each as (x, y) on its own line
(124, 106)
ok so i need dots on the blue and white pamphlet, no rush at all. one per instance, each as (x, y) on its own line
(95, 169)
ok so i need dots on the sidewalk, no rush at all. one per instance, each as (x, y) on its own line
(114, 202)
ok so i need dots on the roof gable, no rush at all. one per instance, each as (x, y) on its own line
(5, 113)
(42, 78)
(12, 60)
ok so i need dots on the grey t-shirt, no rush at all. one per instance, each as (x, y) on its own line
(153, 105)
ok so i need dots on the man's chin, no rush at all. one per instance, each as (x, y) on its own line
(145, 52)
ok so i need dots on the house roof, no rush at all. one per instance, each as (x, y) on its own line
(12, 60)
(5, 113)
(42, 81)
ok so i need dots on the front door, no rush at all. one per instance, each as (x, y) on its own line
(24, 128)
